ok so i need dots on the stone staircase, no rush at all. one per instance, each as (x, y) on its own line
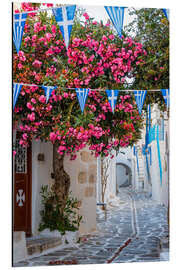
(140, 175)
(39, 244)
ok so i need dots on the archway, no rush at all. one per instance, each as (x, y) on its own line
(123, 176)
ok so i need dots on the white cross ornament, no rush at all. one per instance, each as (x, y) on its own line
(112, 100)
(20, 197)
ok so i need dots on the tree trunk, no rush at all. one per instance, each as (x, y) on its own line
(62, 179)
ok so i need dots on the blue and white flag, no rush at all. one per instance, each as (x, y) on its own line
(166, 96)
(16, 90)
(116, 15)
(18, 28)
(64, 17)
(166, 13)
(48, 90)
(140, 97)
(82, 94)
(112, 98)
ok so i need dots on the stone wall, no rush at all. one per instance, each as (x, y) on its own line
(83, 174)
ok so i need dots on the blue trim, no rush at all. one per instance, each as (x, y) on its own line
(159, 154)
(137, 162)
(147, 167)
(163, 128)
(146, 139)
(148, 125)
(150, 154)
(134, 150)
(149, 117)
(143, 150)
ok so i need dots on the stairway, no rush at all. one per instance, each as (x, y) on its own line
(140, 176)
(39, 244)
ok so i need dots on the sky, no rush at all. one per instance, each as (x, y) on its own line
(99, 13)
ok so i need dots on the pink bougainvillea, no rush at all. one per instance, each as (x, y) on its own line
(96, 58)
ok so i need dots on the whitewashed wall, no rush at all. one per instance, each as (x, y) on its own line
(160, 192)
(82, 172)
(111, 183)
(124, 158)
(41, 175)
(111, 190)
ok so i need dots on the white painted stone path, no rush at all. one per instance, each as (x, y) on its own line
(129, 231)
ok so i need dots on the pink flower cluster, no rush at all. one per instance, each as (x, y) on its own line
(119, 61)
(90, 59)
(29, 7)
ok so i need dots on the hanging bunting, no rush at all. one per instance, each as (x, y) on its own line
(64, 17)
(112, 98)
(48, 90)
(82, 94)
(116, 15)
(18, 28)
(16, 90)
(159, 153)
(150, 154)
(166, 96)
(134, 150)
(136, 153)
(140, 97)
(166, 13)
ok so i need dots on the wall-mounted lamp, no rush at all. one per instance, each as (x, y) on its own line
(41, 157)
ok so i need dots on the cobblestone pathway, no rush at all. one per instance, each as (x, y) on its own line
(129, 232)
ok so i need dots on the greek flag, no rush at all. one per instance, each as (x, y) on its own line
(16, 90)
(140, 97)
(116, 15)
(82, 94)
(112, 98)
(166, 96)
(166, 13)
(64, 17)
(18, 28)
(48, 90)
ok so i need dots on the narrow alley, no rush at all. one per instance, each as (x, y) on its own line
(130, 230)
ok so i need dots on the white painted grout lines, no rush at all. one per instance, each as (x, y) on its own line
(135, 228)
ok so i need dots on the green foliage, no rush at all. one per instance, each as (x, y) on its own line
(53, 218)
(151, 28)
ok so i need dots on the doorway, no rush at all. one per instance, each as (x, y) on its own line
(22, 192)
(123, 176)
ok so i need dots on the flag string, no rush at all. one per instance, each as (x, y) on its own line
(101, 90)
(39, 10)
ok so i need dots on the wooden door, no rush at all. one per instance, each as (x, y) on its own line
(22, 188)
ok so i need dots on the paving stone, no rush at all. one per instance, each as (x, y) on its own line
(20, 264)
(114, 227)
